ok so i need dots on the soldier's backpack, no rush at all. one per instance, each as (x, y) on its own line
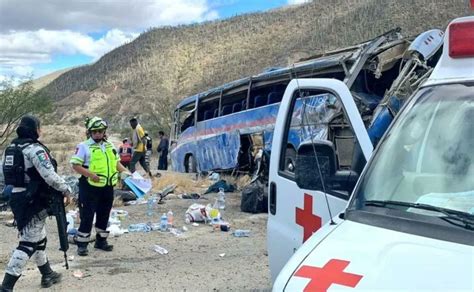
(14, 165)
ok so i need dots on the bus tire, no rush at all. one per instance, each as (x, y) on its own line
(290, 159)
(190, 164)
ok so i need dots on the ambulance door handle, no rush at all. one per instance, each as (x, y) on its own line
(272, 201)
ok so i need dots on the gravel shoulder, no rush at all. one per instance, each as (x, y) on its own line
(194, 261)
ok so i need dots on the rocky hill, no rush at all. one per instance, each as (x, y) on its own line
(148, 76)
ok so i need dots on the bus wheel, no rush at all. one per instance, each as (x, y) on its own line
(190, 164)
(290, 159)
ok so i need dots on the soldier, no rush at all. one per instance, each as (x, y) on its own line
(97, 160)
(30, 170)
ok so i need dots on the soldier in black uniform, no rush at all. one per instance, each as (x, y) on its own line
(29, 171)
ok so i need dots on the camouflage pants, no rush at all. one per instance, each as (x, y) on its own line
(32, 244)
(148, 158)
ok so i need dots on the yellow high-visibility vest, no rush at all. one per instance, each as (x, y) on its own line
(103, 164)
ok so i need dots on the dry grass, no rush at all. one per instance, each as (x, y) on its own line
(185, 183)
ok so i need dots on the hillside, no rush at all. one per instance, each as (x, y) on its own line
(151, 74)
(46, 79)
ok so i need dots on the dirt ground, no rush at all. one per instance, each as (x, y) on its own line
(194, 261)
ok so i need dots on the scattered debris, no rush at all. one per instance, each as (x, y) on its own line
(166, 191)
(241, 233)
(176, 232)
(140, 227)
(214, 188)
(192, 196)
(254, 197)
(116, 231)
(78, 274)
(159, 249)
(214, 176)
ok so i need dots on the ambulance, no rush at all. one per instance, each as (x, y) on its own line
(409, 223)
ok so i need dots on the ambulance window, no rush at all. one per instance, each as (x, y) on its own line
(311, 113)
(428, 156)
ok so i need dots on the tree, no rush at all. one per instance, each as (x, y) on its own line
(16, 101)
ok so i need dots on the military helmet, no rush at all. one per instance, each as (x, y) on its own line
(96, 123)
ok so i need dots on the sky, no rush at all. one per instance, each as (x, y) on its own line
(38, 37)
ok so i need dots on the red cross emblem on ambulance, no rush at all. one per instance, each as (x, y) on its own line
(307, 219)
(331, 273)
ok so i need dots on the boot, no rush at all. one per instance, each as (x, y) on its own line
(48, 276)
(8, 283)
(101, 243)
(82, 248)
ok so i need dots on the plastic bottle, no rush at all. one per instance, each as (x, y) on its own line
(241, 233)
(170, 218)
(140, 227)
(159, 249)
(221, 199)
(163, 222)
(149, 210)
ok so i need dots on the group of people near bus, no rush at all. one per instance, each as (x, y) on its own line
(140, 149)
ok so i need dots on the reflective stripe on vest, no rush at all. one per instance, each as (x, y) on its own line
(103, 164)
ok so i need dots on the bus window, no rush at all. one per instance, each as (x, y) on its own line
(188, 121)
(268, 94)
(185, 116)
(207, 108)
(234, 102)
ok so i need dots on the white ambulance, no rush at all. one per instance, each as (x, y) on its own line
(409, 224)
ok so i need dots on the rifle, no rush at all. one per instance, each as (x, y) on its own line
(58, 211)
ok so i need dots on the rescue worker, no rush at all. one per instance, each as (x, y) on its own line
(125, 153)
(149, 149)
(29, 170)
(98, 162)
(138, 144)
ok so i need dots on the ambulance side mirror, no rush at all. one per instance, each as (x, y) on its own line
(307, 171)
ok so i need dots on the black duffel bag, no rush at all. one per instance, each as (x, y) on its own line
(254, 198)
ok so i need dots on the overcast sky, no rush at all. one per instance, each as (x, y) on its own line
(38, 37)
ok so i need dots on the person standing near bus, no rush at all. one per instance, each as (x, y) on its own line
(163, 150)
(98, 162)
(148, 149)
(139, 146)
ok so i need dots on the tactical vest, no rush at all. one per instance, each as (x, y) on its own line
(14, 168)
(103, 164)
(14, 164)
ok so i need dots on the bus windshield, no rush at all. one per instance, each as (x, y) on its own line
(428, 156)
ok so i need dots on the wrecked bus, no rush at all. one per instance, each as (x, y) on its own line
(225, 128)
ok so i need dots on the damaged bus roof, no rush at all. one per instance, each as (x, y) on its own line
(320, 63)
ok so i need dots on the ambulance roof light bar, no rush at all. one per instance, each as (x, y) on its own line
(457, 60)
(461, 39)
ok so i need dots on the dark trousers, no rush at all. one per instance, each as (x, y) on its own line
(94, 200)
(125, 164)
(138, 157)
(163, 161)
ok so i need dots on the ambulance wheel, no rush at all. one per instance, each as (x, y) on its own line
(190, 164)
